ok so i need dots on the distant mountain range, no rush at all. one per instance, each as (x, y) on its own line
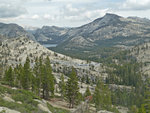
(110, 30)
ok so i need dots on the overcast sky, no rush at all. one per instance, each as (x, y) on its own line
(68, 13)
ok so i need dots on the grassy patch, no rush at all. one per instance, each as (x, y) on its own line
(57, 110)
(27, 98)
(23, 108)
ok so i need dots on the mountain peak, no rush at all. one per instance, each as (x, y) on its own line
(108, 17)
(111, 15)
(13, 30)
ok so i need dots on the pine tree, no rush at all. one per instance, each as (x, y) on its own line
(9, 77)
(62, 86)
(43, 80)
(87, 92)
(133, 109)
(107, 97)
(33, 83)
(26, 78)
(98, 97)
(50, 77)
(37, 76)
(18, 71)
(72, 88)
(147, 97)
(142, 109)
(87, 80)
(47, 79)
(19, 75)
(102, 96)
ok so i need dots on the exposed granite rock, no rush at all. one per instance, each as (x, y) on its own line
(43, 105)
(9, 99)
(7, 110)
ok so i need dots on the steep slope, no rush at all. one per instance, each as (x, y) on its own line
(110, 30)
(14, 30)
(14, 51)
(142, 54)
(104, 36)
(50, 34)
(14, 100)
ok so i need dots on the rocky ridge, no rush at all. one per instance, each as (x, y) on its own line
(13, 30)
(14, 51)
(110, 30)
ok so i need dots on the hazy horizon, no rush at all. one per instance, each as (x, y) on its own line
(68, 13)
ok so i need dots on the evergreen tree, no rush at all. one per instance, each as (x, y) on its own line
(102, 96)
(47, 79)
(26, 78)
(50, 76)
(33, 83)
(98, 97)
(62, 86)
(134, 109)
(147, 97)
(19, 75)
(43, 80)
(37, 79)
(87, 80)
(9, 77)
(142, 109)
(87, 92)
(72, 88)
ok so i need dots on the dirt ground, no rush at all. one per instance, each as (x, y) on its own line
(60, 103)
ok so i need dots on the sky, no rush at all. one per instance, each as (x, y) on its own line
(68, 13)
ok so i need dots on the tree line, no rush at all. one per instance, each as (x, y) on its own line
(38, 78)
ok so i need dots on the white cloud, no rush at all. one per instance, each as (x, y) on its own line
(8, 10)
(96, 13)
(82, 14)
(71, 9)
(49, 17)
(68, 12)
(35, 17)
(75, 1)
(136, 5)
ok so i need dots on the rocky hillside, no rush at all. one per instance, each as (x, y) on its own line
(110, 30)
(14, 100)
(142, 53)
(13, 31)
(15, 51)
